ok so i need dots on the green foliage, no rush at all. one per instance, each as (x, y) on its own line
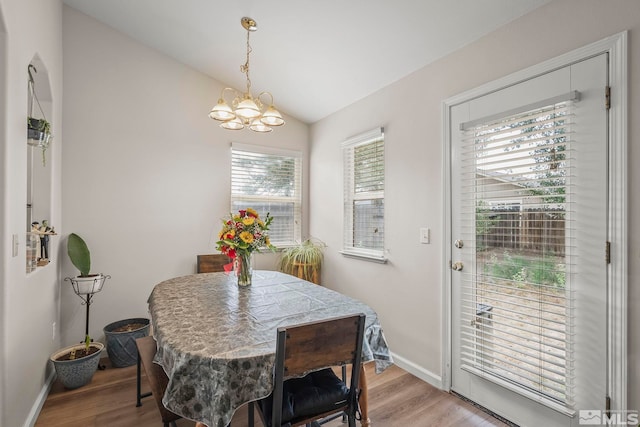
(307, 256)
(40, 125)
(521, 270)
(79, 254)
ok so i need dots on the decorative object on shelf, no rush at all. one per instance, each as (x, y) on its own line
(304, 260)
(121, 338)
(241, 235)
(38, 130)
(247, 111)
(43, 231)
(85, 285)
(76, 364)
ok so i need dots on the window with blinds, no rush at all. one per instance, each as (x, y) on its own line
(269, 180)
(363, 161)
(517, 300)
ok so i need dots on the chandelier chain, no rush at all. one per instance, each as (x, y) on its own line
(245, 67)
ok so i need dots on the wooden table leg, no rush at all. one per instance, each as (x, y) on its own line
(364, 398)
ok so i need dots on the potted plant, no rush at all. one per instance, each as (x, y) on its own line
(304, 260)
(121, 338)
(80, 256)
(39, 135)
(76, 364)
(37, 130)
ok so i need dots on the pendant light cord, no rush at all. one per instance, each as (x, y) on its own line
(32, 92)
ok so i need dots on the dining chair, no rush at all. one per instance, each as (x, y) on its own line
(156, 377)
(212, 263)
(306, 389)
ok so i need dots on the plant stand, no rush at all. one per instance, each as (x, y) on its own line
(87, 299)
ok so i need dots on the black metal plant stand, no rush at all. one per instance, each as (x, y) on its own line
(86, 288)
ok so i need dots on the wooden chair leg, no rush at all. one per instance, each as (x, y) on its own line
(139, 395)
(251, 415)
(364, 399)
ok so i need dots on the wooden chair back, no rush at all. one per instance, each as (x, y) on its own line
(155, 376)
(316, 345)
(212, 263)
(312, 346)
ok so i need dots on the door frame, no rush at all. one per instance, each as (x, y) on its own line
(616, 47)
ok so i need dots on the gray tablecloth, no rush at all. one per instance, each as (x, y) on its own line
(216, 341)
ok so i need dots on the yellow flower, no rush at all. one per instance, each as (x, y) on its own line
(267, 241)
(248, 220)
(252, 212)
(246, 237)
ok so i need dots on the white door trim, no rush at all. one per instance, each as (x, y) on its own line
(616, 47)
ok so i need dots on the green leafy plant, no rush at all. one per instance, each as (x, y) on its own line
(41, 125)
(521, 269)
(304, 260)
(79, 254)
(39, 130)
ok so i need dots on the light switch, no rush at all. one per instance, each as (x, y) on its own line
(14, 245)
(425, 235)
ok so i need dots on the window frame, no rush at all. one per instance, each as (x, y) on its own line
(350, 196)
(296, 199)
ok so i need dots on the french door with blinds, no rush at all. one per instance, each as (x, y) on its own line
(529, 231)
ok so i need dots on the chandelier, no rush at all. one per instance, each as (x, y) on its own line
(247, 111)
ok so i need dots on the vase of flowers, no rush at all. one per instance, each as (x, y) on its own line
(243, 234)
(243, 268)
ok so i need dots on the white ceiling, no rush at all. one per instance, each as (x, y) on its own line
(314, 56)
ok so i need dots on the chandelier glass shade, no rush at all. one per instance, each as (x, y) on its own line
(245, 110)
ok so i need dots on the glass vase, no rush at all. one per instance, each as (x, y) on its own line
(243, 267)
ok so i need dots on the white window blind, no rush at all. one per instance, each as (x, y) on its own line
(363, 161)
(517, 225)
(269, 180)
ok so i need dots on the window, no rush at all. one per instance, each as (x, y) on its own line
(270, 181)
(518, 304)
(363, 164)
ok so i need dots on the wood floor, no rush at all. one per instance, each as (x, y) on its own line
(396, 399)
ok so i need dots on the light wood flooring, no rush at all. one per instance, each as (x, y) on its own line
(396, 399)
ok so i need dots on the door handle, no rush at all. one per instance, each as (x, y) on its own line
(457, 266)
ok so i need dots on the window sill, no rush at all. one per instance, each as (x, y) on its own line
(365, 257)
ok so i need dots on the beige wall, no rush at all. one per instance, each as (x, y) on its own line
(32, 29)
(406, 292)
(145, 176)
(145, 170)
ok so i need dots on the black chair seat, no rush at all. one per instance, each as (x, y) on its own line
(319, 391)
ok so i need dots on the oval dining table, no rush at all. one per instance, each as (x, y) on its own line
(216, 341)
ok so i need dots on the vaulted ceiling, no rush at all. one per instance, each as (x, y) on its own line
(315, 56)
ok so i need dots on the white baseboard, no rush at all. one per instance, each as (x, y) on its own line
(418, 371)
(42, 397)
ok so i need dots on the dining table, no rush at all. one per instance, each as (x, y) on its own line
(216, 341)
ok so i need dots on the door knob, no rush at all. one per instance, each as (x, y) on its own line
(457, 266)
(458, 244)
